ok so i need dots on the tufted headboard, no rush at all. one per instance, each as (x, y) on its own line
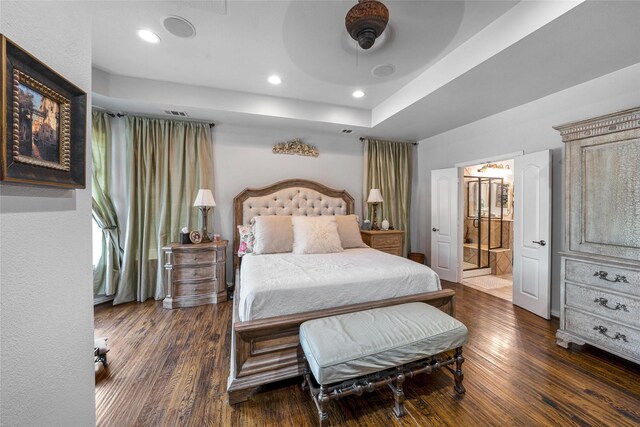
(290, 197)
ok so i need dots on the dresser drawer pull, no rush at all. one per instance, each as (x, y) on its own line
(603, 275)
(603, 331)
(603, 302)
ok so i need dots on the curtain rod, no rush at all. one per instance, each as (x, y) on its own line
(404, 142)
(118, 115)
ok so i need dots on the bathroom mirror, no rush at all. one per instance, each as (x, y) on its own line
(486, 196)
(478, 204)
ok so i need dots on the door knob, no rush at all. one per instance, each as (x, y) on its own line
(541, 242)
(435, 229)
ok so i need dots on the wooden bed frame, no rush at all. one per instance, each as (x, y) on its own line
(264, 351)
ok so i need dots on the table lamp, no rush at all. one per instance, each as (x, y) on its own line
(375, 197)
(204, 201)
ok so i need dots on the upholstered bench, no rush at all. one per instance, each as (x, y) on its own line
(356, 352)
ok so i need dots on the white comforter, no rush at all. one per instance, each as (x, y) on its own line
(279, 284)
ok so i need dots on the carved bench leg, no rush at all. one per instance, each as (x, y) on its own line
(458, 375)
(305, 377)
(398, 394)
(322, 399)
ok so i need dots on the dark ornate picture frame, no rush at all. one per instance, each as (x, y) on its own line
(43, 122)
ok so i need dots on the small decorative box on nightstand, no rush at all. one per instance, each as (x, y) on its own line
(195, 274)
(389, 241)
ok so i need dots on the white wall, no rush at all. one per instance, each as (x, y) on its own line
(529, 128)
(46, 315)
(243, 158)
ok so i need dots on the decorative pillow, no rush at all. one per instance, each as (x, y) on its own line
(349, 232)
(272, 234)
(315, 235)
(246, 239)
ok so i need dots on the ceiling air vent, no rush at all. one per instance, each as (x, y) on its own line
(176, 113)
(346, 130)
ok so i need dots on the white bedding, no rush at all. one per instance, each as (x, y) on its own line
(278, 284)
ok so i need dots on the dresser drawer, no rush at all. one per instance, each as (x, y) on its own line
(194, 257)
(194, 273)
(386, 241)
(195, 289)
(603, 333)
(603, 276)
(393, 251)
(620, 308)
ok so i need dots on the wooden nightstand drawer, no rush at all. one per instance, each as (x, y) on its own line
(389, 241)
(185, 272)
(182, 258)
(393, 251)
(193, 289)
(195, 274)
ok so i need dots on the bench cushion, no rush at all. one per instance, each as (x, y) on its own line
(350, 345)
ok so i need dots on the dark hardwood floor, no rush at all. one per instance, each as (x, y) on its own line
(170, 367)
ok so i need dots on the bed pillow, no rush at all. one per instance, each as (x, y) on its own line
(349, 232)
(315, 235)
(272, 234)
(246, 239)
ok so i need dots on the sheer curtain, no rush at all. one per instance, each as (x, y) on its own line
(168, 161)
(107, 270)
(388, 166)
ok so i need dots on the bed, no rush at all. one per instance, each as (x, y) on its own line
(276, 293)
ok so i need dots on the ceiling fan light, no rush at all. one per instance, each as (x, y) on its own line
(366, 21)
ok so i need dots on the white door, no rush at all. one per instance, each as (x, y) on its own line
(532, 233)
(444, 223)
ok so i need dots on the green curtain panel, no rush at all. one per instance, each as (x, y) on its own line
(106, 272)
(388, 166)
(168, 162)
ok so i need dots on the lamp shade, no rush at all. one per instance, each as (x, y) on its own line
(374, 196)
(204, 198)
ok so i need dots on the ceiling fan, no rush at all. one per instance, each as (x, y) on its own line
(366, 21)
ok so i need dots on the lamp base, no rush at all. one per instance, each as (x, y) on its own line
(374, 224)
(205, 234)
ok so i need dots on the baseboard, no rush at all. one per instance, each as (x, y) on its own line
(102, 299)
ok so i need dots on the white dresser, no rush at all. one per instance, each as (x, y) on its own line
(600, 271)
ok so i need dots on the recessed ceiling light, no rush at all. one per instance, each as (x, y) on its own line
(148, 36)
(358, 94)
(274, 80)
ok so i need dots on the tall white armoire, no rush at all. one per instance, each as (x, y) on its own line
(600, 288)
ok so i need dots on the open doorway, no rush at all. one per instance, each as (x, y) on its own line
(528, 238)
(487, 235)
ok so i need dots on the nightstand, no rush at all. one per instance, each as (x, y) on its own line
(389, 241)
(195, 274)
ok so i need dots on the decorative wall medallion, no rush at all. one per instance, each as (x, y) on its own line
(295, 146)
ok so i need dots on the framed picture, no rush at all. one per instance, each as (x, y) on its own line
(502, 195)
(43, 122)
